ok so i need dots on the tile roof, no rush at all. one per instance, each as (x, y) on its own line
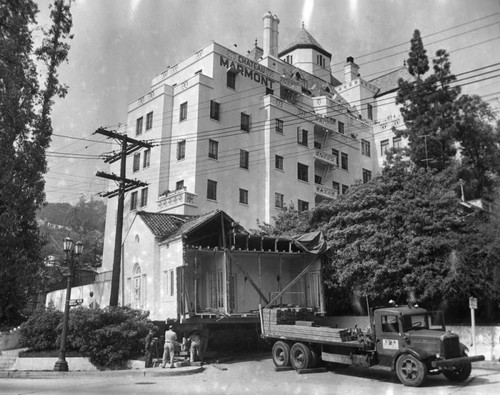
(198, 221)
(161, 224)
(389, 82)
(169, 226)
(304, 39)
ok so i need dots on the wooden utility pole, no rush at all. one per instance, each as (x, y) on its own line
(128, 145)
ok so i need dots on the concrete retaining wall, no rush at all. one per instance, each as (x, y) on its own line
(75, 364)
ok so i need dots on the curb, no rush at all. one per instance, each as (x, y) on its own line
(151, 372)
(486, 365)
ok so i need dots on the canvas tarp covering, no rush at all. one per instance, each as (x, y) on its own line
(313, 242)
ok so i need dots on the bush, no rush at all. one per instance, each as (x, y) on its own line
(40, 331)
(108, 337)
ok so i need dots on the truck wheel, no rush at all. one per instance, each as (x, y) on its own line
(458, 373)
(300, 356)
(411, 372)
(281, 354)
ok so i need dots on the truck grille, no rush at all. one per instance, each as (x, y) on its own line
(450, 347)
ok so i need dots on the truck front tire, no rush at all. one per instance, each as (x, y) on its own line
(458, 373)
(281, 354)
(411, 372)
(300, 356)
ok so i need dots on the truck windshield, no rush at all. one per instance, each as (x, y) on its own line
(412, 322)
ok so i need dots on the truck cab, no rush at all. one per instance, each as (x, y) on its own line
(414, 342)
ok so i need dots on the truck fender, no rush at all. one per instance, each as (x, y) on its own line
(421, 355)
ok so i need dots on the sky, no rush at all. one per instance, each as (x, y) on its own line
(120, 45)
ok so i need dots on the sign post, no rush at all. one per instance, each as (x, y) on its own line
(473, 307)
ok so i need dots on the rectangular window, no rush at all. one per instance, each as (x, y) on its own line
(365, 148)
(215, 286)
(344, 189)
(396, 142)
(144, 197)
(179, 185)
(183, 111)
(367, 176)
(138, 126)
(149, 121)
(231, 79)
(318, 179)
(384, 146)
(213, 149)
(341, 127)
(335, 154)
(214, 110)
(243, 196)
(133, 201)
(245, 122)
(303, 206)
(136, 165)
(278, 200)
(244, 159)
(181, 149)
(171, 282)
(344, 161)
(278, 162)
(302, 136)
(211, 190)
(146, 159)
(302, 172)
(369, 109)
(336, 187)
(279, 126)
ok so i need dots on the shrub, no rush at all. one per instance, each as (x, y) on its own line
(40, 331)
(108, 337)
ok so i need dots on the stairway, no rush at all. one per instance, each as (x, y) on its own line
(8, 358)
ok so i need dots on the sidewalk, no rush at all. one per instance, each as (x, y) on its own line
(42, 368)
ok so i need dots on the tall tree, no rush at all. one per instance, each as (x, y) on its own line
(428, 109)
(418, 62)
(480, 147)
(25, 131)
(405, 235)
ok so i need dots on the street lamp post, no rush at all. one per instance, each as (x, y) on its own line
(61, 365)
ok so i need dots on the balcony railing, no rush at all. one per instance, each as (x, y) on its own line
(175, 199)
(325, 191)
(326, 157)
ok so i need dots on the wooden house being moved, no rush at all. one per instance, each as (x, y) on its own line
(208, 272)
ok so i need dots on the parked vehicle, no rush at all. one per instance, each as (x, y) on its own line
(410, 340)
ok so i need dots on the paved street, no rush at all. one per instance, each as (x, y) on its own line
(250, 377)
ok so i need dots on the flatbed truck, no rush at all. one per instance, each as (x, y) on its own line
(409, 340)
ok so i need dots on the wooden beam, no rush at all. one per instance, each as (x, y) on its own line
(292, 283)
(261, 294)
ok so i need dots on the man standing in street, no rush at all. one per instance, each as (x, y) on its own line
(195, 347)
(169, 348)
(149, 349)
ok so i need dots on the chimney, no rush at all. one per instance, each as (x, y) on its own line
(274, 39)
(351, 70)
(268, 40)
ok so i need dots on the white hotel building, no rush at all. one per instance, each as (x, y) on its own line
(246, 134)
